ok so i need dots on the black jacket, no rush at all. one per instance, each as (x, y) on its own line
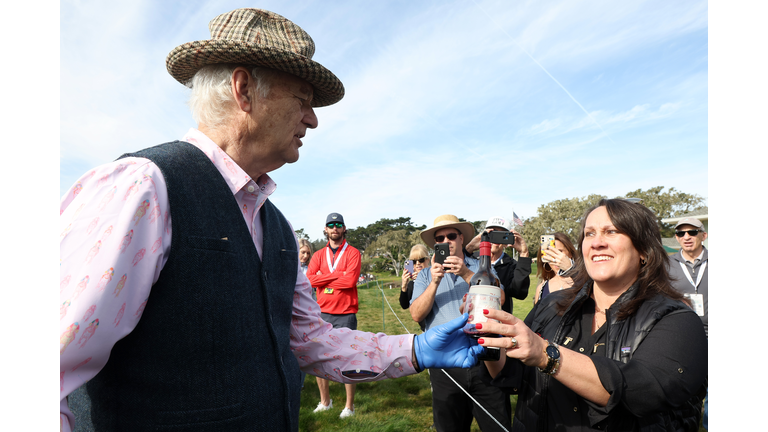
(671, 401)
(516, 278)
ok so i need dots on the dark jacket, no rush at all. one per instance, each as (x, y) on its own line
(622, 339)
(515, 276)
(211, 351)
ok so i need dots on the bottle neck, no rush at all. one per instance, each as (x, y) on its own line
(485, 254)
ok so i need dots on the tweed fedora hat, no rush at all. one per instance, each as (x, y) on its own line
(448, 221)
(261, 38)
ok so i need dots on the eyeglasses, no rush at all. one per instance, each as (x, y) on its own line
(335, 224)
(692, 233)
(451, 236)
(420, 260)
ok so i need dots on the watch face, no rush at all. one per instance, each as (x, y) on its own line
(553, 352)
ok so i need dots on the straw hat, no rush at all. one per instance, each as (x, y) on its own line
(448, 221)
(260, 38)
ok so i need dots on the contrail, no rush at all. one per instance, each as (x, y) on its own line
(545, 71)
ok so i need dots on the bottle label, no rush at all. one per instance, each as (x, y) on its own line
(481, 297)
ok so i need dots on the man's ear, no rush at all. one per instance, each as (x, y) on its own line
(241, 81)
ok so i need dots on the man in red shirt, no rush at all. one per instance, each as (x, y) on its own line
(333, 272)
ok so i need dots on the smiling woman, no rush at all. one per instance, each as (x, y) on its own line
(619, 351)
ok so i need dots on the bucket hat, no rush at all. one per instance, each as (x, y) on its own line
(448, 221)
(257, 37)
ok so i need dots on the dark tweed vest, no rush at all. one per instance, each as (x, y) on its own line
(211, 351)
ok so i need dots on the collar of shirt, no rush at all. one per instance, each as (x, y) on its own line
(698, 258)
(236, 178)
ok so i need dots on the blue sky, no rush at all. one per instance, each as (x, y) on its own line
(474, 108)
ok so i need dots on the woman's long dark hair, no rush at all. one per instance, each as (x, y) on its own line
(640, 225)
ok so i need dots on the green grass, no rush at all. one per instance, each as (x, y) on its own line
(403, 404)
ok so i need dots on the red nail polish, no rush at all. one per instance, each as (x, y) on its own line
(479, 326)
(481, 341)
(485, 311)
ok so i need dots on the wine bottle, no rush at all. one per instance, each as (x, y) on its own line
(484, 293)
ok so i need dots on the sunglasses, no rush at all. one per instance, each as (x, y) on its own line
(420, 260)
(692, 233)
(335, 225)
(451, 236)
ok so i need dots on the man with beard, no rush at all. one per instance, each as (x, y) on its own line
(333, 272)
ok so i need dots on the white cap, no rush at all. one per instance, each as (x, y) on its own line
(498, 222)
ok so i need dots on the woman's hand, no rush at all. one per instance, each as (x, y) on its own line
(520, 341)
(558, 259)
(406, 278)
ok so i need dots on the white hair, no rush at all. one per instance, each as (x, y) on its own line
(211, 99)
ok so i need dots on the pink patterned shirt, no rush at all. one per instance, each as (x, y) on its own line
(115, 239)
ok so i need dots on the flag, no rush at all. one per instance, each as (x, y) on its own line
(517, 219)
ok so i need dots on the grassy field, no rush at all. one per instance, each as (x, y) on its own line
(403, 404)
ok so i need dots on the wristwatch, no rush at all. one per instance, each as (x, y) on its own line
(553, 356)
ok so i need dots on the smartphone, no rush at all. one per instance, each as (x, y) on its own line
(409, 265)
(442, 250)
(546, 240)
(501, 237)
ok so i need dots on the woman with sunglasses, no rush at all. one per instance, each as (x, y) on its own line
(420, 258)
(618, 351)
(554, 259)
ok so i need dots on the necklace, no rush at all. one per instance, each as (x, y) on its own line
(597, 323)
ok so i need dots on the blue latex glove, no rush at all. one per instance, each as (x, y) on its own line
(447, 346)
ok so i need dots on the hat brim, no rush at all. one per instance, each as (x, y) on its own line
(185, 60)
(467, 230)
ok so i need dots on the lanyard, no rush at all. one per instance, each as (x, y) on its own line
(332, 264)
(690, 279)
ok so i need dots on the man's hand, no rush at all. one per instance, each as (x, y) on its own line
(520, 246)
(437, 271)
(456, 266)
(446, 346)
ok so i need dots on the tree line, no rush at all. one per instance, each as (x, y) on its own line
(386, 243)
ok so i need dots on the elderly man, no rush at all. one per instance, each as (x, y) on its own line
(183, 305)
(515, 276)
(688, 271)
(437, 296)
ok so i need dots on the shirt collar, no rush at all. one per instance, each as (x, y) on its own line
(236, 178)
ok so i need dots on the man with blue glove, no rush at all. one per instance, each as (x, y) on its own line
(206, 317)
(437, 296)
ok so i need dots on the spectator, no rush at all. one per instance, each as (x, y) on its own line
(549, 270)
(515, 276)
(420, 257)
(334, 272)
(689, 274)
(305, 254)
(437, 296)
(620, 352)
(187, 308)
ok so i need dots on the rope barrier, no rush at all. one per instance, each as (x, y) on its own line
(443, 370)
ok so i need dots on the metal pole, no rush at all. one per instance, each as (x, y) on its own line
(383, 325)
